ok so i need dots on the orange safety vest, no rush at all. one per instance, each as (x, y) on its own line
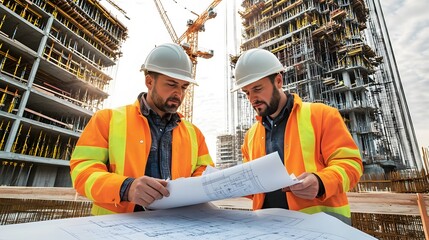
(115, 144)
(316, 141)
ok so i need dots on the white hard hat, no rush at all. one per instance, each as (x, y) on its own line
(253, 65)
(171, 60)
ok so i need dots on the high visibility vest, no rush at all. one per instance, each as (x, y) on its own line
(310, 147)
(116, 144)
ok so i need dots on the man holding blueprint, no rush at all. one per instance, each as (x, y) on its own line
(311, 138)
(265, 175)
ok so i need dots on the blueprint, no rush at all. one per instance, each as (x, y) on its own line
(202, 221)
(265, 174)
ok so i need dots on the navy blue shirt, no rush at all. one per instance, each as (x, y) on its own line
(159, 161)
(274, 141)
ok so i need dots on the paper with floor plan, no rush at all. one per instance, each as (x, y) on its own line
(194, 222)
(265, 174)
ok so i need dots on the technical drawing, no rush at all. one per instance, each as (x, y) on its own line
(197, 222)
(228, 185)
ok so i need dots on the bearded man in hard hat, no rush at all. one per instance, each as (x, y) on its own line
(311, 139)
(124, 155)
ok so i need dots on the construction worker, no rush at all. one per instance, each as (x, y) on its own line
(311, 139)
(125, 156)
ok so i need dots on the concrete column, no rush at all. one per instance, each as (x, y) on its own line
(26, 95)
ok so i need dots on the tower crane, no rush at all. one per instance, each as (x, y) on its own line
(189, 41)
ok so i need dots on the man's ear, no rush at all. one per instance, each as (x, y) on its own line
(149, 81)
(279, 80)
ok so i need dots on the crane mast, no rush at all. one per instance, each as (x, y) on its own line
(166, 21)
(118, 8)
(189, 41)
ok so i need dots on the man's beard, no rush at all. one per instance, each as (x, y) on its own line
(271, 107)
(163, 105)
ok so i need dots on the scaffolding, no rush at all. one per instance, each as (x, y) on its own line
(225, 151)
(54, 59)
(328, 59)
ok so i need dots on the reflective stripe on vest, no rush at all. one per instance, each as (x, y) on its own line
(307, 140)
(117, 138)
(97, 210)
(306, 137)
(251, 138)
(342, 211)
(88, 152)
(194, 144)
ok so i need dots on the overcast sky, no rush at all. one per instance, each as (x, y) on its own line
(408, 26)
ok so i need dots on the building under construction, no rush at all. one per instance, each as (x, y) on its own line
(336, 52)
(55, 56)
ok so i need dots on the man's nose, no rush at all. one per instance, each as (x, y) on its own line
(252, 98)
(179, 92)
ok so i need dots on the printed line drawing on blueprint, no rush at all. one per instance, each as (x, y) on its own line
(226, 185)
(203, 221)
(265, 174)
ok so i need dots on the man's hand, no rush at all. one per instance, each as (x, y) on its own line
(307, 189)
(144, 190)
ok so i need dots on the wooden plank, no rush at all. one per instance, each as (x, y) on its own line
(385, 203)
(43, 193)
(365, 202)
(368, 202)
(54, 93)
(9, 92)
(423, 214)
(63, 92)
(69, 126)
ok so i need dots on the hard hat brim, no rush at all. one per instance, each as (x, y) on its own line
(170, 74)
(180, 77)
(257, 78)
(236, 88)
